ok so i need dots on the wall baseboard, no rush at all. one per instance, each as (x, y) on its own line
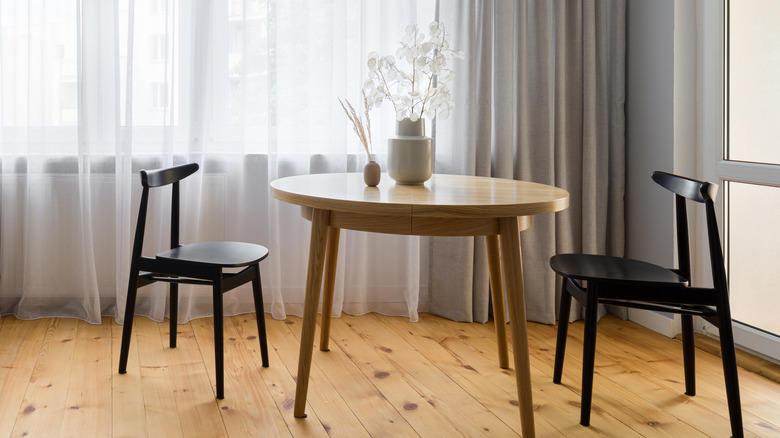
(665, 324)
(755, 342)
(748, 339)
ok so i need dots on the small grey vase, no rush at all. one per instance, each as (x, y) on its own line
(372, 173)
(410, 153)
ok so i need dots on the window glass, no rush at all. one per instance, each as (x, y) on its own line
(753, 243)
(754, 84)
(38, 63)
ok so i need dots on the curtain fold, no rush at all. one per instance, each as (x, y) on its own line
(545, 97)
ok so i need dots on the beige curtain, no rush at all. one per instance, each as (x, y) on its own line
(540, 97)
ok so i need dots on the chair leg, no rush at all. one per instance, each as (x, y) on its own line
(589, 351)
(173, 312)
(689, 355)
(218, 337)
(563, 328)
(127, 329)
(729, 356)
(257, 291)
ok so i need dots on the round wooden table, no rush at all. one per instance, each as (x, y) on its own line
(446, 205)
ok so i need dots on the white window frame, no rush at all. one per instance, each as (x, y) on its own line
(713, 113)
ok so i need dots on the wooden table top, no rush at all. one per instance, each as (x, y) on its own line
(455, 196)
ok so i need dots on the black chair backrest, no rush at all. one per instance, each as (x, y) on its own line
(163, 177)
(160, 178)
(702, 192)
(699, 191)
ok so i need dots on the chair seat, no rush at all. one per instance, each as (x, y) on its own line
(224, 254)
(614, 270)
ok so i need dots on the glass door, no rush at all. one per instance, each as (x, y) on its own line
(751, 164)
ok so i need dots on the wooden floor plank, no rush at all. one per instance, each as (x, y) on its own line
(459, 407)
(196, 404)
(127, 395)
(22, 340)
(377, 369)
(43, 409)
(156, 383)
(472, 360)
(628, 406)
(759, 394)
(278, 380)
(376, 413)
(562, 397)
(403, 396)
(706, 412)
(663, 356)
(88, 402)
(323, 399)
(248, 405)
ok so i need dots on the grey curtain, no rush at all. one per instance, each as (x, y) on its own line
(540, 97)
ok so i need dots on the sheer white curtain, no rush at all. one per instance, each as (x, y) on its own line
(94, 90)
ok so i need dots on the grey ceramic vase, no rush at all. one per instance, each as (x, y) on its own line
(372, 173)
(410, 153)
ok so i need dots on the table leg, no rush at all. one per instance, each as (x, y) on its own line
(331, 258)
(317, 246)
(511, 258)
(497, 294)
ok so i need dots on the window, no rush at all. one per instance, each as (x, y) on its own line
(159, 50)
(159, 95)
(750, 162)
(157, 7)
(68, 101)
(38, 65)
(259, 73)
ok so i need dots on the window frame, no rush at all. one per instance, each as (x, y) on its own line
(717, 164)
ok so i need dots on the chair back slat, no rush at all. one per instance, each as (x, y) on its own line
(175, 215)
(140, 226)
(163, 177)
(683, 242)
(719, 279)
(699, 191)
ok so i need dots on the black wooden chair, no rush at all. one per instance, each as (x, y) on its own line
(196, 263)
(632, 283)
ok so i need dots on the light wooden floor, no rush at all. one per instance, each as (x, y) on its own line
(383, 377)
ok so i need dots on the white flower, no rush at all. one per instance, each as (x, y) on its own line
(392, 74)
(418, 88)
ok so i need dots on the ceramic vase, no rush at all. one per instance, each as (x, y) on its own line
(410, 153)
(372, 173)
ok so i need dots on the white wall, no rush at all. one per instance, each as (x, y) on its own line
(649, 128)
(662, 129)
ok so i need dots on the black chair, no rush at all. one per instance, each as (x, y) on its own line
(632, 283)
(196, 263)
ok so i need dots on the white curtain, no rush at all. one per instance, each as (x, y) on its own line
(92, 91)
